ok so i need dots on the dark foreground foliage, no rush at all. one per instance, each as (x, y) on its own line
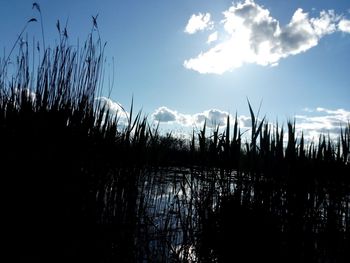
(80, 187)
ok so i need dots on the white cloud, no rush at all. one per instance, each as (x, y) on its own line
(212, 37)
(198, 22)
(166, 115)
(344, 25)
(326, 23)
(212, 117)
(312, 123)
(254, 36)
(163, 114)
(322, 121)
(114, 108)
(244, 122)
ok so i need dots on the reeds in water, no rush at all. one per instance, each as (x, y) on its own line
(79, 186)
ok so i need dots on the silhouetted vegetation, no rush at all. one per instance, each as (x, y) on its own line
(79, 186)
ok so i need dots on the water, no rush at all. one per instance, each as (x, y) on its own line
(177, 201)
(175, 204)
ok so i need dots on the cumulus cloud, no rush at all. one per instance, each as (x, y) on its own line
(312, 123)
(212, 117)
(163, 114)
(198, 22)
(254, 36)
(344, 25)
(244, 122)
(212, 37)
(166, 115)
(114, 108)
(322, 121)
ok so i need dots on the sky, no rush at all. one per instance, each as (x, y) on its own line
(187, 61)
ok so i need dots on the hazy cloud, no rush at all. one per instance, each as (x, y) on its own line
(254, 36)
(198, 22)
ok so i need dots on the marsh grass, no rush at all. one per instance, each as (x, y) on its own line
(79, 186)
(59, 154)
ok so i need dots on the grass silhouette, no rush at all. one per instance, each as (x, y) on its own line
(80, 186)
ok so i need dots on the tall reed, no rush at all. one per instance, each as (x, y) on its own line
(80, 186)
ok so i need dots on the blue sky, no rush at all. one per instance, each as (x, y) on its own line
(291, 55)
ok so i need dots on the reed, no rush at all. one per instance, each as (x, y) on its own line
(79, 185)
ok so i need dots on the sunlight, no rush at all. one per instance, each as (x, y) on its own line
(227, 55)
(246, 164)
(256, 37)
(264, 55)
